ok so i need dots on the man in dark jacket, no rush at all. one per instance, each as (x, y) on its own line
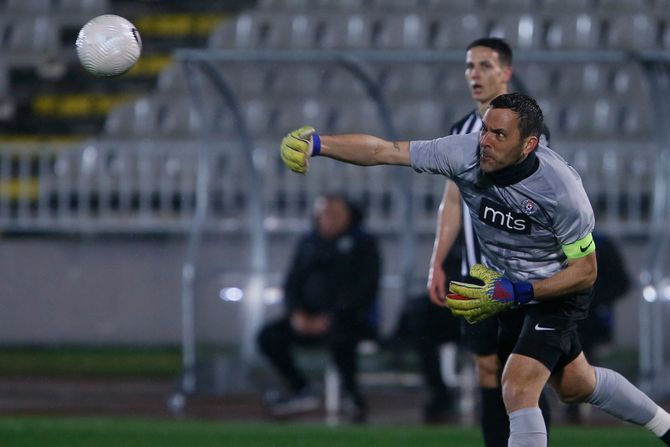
(330, 295)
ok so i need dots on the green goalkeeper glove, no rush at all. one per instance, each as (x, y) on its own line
(298, 146)
(498, 293)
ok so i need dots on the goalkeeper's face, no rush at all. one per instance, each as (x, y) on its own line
(500, 141)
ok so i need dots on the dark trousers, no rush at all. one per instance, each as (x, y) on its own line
(430, 326)
(277, 339)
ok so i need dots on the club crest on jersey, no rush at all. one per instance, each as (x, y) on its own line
(503, 218)
(528, 207)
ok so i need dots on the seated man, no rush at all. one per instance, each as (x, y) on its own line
(330, 295)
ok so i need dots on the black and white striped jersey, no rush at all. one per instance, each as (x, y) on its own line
(470, 251)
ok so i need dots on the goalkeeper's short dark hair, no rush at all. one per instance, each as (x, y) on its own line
(531, 119)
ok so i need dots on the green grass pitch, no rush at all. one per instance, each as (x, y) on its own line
(107, 432)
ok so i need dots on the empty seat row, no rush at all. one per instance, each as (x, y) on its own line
(26, 38)
(397, 81)
(429, 31)
(164, 116)
(460, 6)
(66, 12)
(588, 119)
(583, 79)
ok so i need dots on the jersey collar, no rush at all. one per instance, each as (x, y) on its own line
(515, 173)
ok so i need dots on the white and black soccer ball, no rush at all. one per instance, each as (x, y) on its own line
(108, 45)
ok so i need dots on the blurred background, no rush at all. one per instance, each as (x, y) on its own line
(147, 220)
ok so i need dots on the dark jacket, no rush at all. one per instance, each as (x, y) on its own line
(339, 277)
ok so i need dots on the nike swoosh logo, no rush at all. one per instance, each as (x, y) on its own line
(540, 328)
(583, 249)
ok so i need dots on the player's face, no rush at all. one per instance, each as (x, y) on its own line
(485, 76)
(332, 217)
(500, 142)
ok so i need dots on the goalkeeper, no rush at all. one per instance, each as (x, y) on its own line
(534, 223)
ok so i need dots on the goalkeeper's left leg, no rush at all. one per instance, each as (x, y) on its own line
(618, 397)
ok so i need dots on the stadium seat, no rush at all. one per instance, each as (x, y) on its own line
(592, 118)
(589, 80)
(628, 82)
(552, 112)
(251, 30)
(76, 12)
(30, 38)
(422, 119)
(403, 31)
(661, 9)
(282, 5)
(299, 80)
(521, 32)
(172, 79)
(665, 38)
(266, 29)
(247, 80)
(518, 6)
(151, 116)
(450, 80)
(451, 6)
(567, 6)
(261, 118)
(307, 111)
(320, 5)
(455, 32)
(84, 7)
(348, 31)
(632, 32)
(410, 81)
(4, 79)
(636, 120)
(27, 7)
(537, 78)
(624, 7)
(340, 83)
(302, 31)
(395, 6)
(120, 122)
(7, 103)
(357, 116)
(345, 5)
(573, 31)
(176, 118)
(600, 79)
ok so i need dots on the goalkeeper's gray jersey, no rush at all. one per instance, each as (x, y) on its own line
(521, 227)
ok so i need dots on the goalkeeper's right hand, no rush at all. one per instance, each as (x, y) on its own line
(298, 146)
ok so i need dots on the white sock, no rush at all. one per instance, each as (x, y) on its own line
(660, 423)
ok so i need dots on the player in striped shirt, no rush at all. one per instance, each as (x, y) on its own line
(534, 223)
(488, 70)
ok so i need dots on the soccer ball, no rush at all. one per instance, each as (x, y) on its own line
(108, 45)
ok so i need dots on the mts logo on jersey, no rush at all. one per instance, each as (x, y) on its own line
(503, 218)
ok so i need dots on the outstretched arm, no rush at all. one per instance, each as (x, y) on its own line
(448, 227)
(365, 150)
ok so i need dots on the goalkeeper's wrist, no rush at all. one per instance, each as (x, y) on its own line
(316, 144)
(523, 292)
